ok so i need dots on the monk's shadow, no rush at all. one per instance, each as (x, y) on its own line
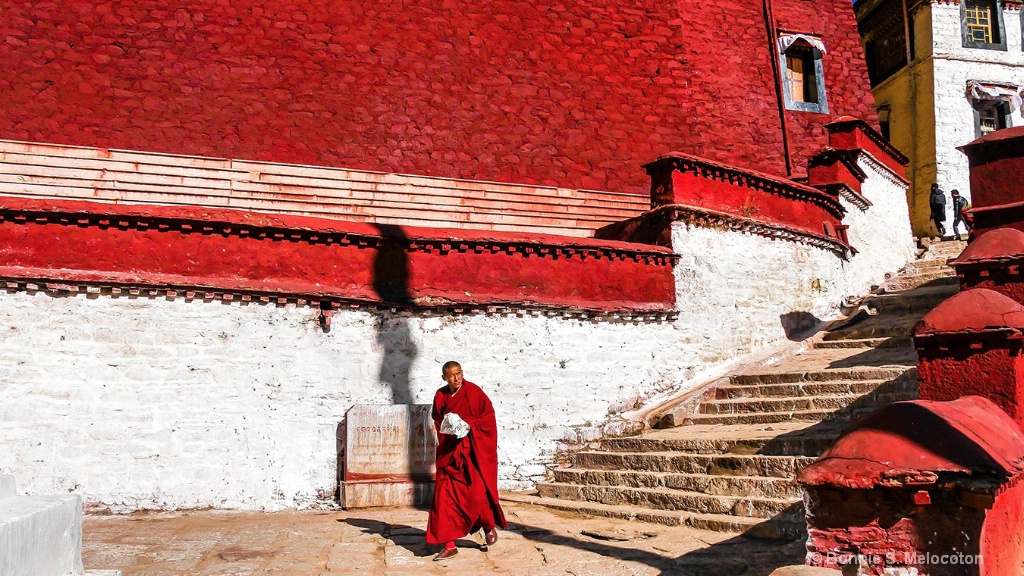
(408, 537)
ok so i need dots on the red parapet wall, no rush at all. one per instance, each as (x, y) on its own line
(248, 255)
(689, 181)
(850, 133)
(574, 94)
(996, 161)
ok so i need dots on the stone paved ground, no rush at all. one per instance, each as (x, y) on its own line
(539, 542)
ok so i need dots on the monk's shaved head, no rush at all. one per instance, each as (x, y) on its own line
(452, 374)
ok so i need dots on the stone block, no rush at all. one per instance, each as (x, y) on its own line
(41, 536)
(804, 571)
(388, 456)
(911, 469)
(385, 493)
(994, 261)
(8, 488)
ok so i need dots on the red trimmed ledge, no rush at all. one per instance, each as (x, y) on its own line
(214, 252)
(991, 218)
(851, 195)
(693, 182)
(654, 227)
(835, 167)
(849, 133)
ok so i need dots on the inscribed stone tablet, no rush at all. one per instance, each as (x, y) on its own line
(386, 442)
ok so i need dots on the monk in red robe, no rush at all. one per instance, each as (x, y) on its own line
(466, 486)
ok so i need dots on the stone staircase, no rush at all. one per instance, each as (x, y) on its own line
(726, 463)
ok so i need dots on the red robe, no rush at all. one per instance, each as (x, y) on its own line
(466, 487)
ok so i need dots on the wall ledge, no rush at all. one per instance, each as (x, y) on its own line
(753, 179)
(229, 255)
(652, 227)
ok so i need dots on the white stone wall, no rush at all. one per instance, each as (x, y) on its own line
(881, 233)
(151, 403)
(731, 283)
(954, 66)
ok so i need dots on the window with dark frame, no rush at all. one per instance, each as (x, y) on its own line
(989, 116)
(982, 24)
(884, 117)
(803, 81)
(978, 20)
(885, 41)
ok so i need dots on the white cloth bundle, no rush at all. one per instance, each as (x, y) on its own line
(453, 424)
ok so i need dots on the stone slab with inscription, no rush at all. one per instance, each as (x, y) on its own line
(387, 456)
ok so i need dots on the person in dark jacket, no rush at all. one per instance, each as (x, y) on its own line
(937, 201)
(959, 205)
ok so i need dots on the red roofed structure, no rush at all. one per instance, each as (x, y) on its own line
(932, 487)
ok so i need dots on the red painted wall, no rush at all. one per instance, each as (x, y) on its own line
(884, 528)
(576, 94)
(846, 73)
(995, 371)
(1002, 541)
(1005, 279)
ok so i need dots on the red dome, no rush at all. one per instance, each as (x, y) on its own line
(975, 310)
(998, 244)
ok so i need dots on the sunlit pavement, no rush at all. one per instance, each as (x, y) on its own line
(537, 542)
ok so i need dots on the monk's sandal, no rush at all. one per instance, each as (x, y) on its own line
(446, 553)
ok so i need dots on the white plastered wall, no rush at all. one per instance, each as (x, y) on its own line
(881, 233)
(155, 403)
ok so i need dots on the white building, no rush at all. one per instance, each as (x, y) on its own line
(943, 74)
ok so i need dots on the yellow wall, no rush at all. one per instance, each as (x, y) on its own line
(910, 95)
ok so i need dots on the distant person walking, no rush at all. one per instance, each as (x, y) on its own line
(937, 202)
(959, 205)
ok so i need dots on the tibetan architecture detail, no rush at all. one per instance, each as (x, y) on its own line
(943, 73)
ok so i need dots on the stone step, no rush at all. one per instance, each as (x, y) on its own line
(926, 265)
(941, 278)
(927, 274)
(809, 443)
(817, 389)
(668, 499)
(918, 301)
(759, 486)
(787, 526)
(893, 342)
(681, 462)
(778, 417)
(943, 249)
(840, 374)
(799, 403)
(878, 326)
